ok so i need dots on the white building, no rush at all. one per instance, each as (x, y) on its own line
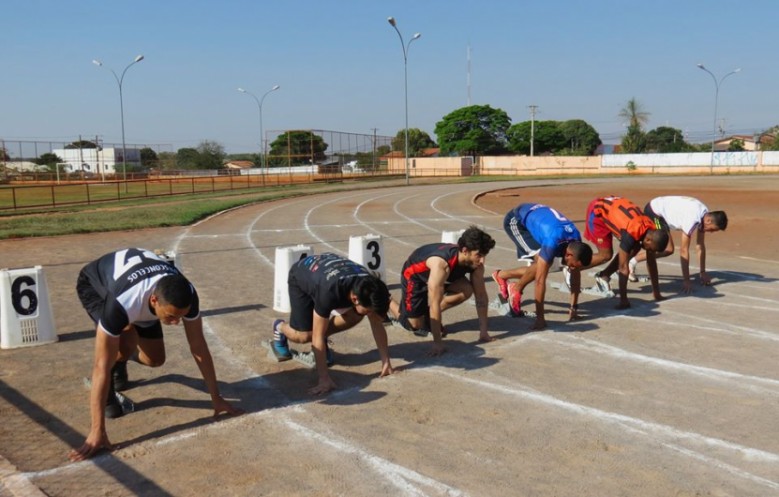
(97, 161)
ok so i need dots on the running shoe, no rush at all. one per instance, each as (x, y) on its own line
(119, 375)
(113, 405)
(502, 284)
(515, 298)
(603, 284)
(279, 344)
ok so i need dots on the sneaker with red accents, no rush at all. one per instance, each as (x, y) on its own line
(503, 287)
(515, 299)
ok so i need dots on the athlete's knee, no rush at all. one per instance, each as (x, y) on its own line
(152, 362)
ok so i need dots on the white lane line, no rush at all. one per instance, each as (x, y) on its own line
(248, 233)
(396, 210)
(685, 324)
(311, 227)
(652, 430)
(747, 306)
(716, 325)
(758, 260)
(771, 386)
(404, 479)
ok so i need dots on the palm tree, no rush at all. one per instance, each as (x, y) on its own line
(634, 114)
(635, 139)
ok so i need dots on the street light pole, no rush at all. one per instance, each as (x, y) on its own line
(119, 81)
(716, 101)
(260, 101)
(405, 48)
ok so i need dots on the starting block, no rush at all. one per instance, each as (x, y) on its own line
(368, 251)
(307, 359)
(593, 290)
(451, 236)
(285, 258)
(26, 318)
(168, 256)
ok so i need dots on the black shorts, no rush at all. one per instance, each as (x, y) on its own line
(93, 302)
(413, 300)
(660, 222)
(301, 317)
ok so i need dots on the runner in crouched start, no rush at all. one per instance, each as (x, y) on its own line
(439, 276)
(329, 294)
(691, 217)
(128, 294)
(612, 216)
(541, 234)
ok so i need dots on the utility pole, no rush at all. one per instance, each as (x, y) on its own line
(532, 126)
(373, 164)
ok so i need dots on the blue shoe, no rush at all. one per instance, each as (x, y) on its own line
(279, 344)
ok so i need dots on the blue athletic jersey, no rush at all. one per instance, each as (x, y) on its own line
(551, 230)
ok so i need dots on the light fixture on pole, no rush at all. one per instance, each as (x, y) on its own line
(405, 48)
(259, 108)
(716, 100)
(119, 81)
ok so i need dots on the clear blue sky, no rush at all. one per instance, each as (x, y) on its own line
(340, 65)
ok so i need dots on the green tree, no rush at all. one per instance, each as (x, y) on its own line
(297, 147)
(81, 144)
(580, 136)
(4, 155)
(736, 145)
(664, 139)
(635, 117)
(149, 157)
(418, 140)
(49, 160)
(187, 158)
(211, 155)
(167, 161)
(633, 114)
(473, 130)
(773, 133)
(547, 137)
(634, 141)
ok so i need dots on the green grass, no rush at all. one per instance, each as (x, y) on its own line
(180, 210)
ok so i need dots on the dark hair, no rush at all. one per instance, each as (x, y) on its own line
(719, 218)
(659, 238)
(475, 239)
(175, 290)
(581, 251)
(372, 293)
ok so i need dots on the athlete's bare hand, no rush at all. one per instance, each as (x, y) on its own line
(92, 445)
(221, 405)
(324, 386)
(436, 350)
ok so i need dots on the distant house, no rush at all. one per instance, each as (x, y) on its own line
(425, 152)
(750, 142)
(239, 164)
(605, 149)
